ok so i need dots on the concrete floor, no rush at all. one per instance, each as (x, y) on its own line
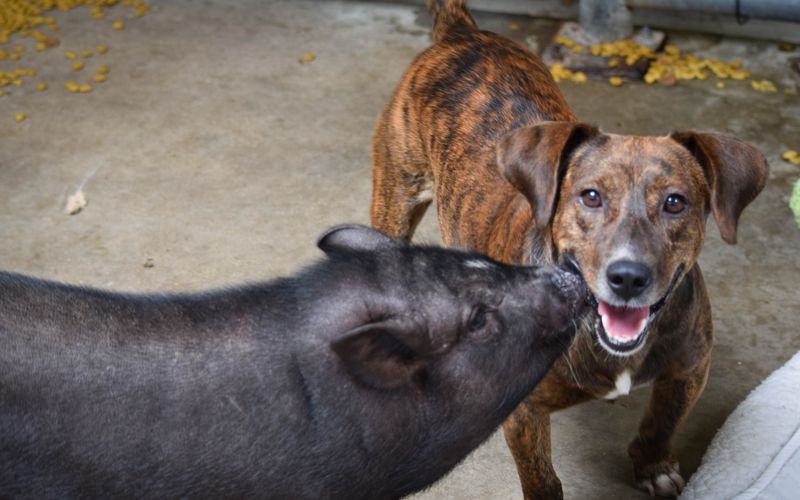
(219, 158)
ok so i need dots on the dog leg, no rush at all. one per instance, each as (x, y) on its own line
(527, 433)
(672, 399)
(397, 209)
(402, 189)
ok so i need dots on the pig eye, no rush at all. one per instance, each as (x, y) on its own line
(477, 319)
(675, 204)
(590, 198)
(481, 324)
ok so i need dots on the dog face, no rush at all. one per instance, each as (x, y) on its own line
(634, 222)
(630, 211)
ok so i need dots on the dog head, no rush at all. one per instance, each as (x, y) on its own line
(629, 211)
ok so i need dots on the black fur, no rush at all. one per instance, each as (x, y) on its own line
(359, 377)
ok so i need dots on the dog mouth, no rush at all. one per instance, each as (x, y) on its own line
(622, 330)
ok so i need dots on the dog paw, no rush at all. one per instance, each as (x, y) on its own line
(662, 479)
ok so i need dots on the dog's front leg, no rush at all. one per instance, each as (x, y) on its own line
(527, 433)
(672, 399)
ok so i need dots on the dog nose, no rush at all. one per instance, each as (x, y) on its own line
(628, 279)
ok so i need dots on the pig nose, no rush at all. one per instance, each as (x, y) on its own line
(570, 286)
(628, 279)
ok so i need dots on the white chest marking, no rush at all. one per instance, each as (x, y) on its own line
(622, 386)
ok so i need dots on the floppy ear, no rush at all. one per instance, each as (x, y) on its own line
(534, 160)
(380, 354)
(353, 237)
(735, 171)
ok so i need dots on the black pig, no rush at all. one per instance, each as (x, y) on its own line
(368, 375)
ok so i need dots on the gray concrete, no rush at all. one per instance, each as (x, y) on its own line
(221, 158)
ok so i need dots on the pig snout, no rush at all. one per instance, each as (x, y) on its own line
(563, 298)
(569, 283)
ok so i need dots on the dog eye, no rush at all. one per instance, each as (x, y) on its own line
(675, 204)
(591, 199)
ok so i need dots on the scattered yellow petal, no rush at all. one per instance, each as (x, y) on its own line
(72, 86)
(85, 88)
(141, 8)
(720, 85)
(740, 74)
(77, 65)
(615, 81)
(102, 70)
(118, 25)
(566, 42)
(578, 77)
(792, 157)
(20, 117)
(513, 26)
(14, 57)
(307, 57)
(101, 49)
(42, 86)
(70, 55)
(86, 53)
(99, 78)
(559, 72)
(763, 86)
(41, 46)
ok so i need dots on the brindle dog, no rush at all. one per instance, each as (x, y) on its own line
(478, 122)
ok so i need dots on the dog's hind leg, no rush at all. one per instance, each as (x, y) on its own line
(402, 187)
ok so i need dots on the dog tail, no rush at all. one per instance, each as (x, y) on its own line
(449, 15)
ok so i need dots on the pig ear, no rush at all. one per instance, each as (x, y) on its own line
(735, 171)
(353, 237)
(534, 160)
(376, 355)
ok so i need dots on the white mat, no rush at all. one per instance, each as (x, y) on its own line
(756, 453)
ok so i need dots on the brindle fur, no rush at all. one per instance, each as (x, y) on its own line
(478, 122)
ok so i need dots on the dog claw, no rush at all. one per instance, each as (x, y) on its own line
(648, 486)
(666, 482)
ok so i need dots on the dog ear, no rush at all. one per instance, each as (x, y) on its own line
(353, 237)
(380, 354)
(534, 160)
(735, 171)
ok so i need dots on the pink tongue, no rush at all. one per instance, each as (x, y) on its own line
(622, 322)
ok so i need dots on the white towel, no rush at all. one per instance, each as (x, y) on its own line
(756, 453)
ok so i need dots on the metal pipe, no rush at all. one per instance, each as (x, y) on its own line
(777, 10)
